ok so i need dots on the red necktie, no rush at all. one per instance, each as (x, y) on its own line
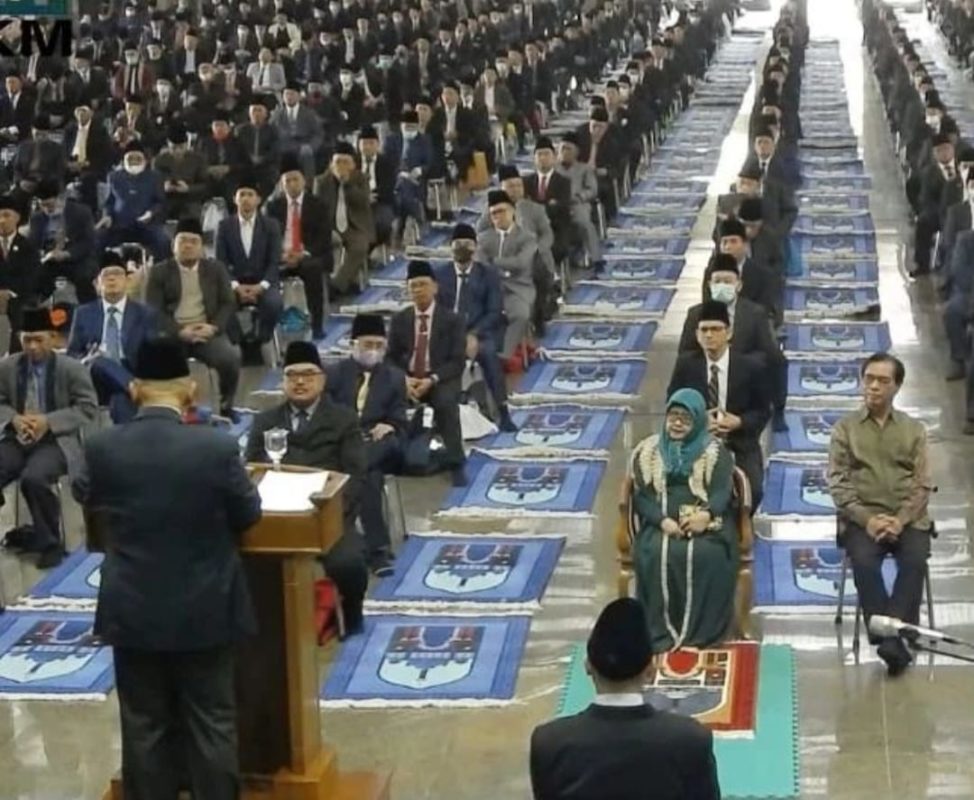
(543, 188)
(420, 367)
(297, 246)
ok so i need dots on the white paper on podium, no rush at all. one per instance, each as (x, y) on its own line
(282, 492)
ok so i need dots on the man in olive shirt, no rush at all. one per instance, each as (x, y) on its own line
(880, 482)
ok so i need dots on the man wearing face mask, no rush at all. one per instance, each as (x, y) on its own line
(132, 77)
(473, 290)
(134, 211)
(412, 153)
(62, 230)
(183, 172)
(751, 331)
(164, 104)
(39, 157)
(376, 391)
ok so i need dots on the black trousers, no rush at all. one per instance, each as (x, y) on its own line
(38, 467)
(345, 565)
(179, 718)
(444, 399)
(224, 356)
(747, 455)
(385, 457)
(311, 271)
(910, 550)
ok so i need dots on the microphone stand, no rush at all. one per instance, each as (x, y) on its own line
(914, 643)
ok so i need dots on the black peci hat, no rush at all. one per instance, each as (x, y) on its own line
(161, 359)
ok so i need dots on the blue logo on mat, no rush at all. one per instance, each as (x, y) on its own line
(830, 378)
(583, 377)
(50, 649)
(830, 299)
(838, 337)
(597, 336)
(551, 429)
(815, 489)
(470, 568)
(425, 656)
(526, 485)
(818, 429)
(818, 571)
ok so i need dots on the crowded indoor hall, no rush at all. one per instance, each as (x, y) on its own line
(477, 399)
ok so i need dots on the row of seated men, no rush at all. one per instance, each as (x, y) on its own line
(939, 185)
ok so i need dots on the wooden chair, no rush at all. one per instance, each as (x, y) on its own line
(625, 534)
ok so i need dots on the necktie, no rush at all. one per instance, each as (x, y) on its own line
(713, 387)
(950, 172)
(300, 420)
(420, 366)
(133, 80)
(113, 338)
(543, 188)
(33, 403)
(341, 211)
(261, 75)
(5, 246)
(462, 291)
(764, 168)
(363, 392)
(81, 145)
(297, 246)
(500, 244)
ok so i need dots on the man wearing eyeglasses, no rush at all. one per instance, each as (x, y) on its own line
(323, 435)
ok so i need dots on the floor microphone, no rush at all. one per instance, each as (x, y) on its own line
(884, 626)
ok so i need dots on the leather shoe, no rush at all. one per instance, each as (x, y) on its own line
(50, 558)
(895, 654)
(505, 423)
(19, 538)
(956, 372)
(778, 422)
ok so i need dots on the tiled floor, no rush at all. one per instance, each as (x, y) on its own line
(860, 736)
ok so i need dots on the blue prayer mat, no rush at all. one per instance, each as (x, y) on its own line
(851, 338)
(402, 660)
(634, 300)
(632, 244)
(833, 224)
(664, 204)
(828, 203)
(598, 337)
(833, 169)
(379, 299)
(469, 570)
(832, 273)
(808, 379)
(831, 246)
(657, 225)
(337, 338)
(656, 185)
(800, 490)
(556, 429)
(646, 270)
(561, 381)
(860, 183)
(809, 433)
(52, 655)
(72, 585)
(825, 302)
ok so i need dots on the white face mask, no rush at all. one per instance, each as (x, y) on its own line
(409, 135)
(933, 122)
(346, 80)
(131, 60)
(723, 292)
(135, 169)
(368, 358)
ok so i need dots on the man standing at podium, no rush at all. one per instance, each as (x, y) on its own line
(169, 503)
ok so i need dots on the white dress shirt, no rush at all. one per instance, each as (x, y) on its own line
(80, 149)
(368, 167)
(622, 700)
(489, 100)
(723, 366)
(247, 233)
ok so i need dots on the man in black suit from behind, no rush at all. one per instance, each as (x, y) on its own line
(734, 386)
(376, 391)
(620, 747)
(307, 240)
(325, 436)
(426, 341)
(173, 600)
(751, 332)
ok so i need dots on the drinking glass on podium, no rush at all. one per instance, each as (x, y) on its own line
(275, 445)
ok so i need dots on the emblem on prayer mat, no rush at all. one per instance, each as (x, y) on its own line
(50, 649)
(830, 244)
(551, 429)
(469, 568)
(623, 298)
(424, 656)
(815, 488)
(583, 377)
(831, 299)
(526, 485)
(691, 682)
(597, 336)
(838, 337)
(829, 378)
(818, 428)
(835, 271)
(832, 224)
(652, 247)
(635, 269)
(818, 570)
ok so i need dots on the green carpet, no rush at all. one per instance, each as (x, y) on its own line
(762, 768)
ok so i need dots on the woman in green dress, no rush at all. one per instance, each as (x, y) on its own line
(685, 528)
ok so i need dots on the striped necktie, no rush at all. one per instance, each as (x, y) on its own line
(713, 387)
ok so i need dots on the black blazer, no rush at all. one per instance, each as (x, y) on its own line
(99, 148)
(332, 439)
(746, 392)
(632, 753)
(386, 400)
(751, 333)
(164, 290)
(447, 348)
(20, 271)
(263, 263)
(558, 196)
(758, 284)
(165, 560)
(315, 236)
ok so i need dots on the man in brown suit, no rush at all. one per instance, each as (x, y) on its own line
(347, 198)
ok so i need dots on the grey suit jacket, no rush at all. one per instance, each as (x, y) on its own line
(534, 219)
(75, 402)
(276, 77)
(515, 263)
(306, 128)
(585, 183)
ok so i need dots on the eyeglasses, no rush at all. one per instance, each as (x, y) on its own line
(302, 375)
(679, 416)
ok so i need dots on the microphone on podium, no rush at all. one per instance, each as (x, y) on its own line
(884, 626)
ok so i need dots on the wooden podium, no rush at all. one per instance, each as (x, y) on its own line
(282, 756)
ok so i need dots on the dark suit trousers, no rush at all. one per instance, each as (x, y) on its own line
(269, 307)
(385, 457)
(38, 466)
(151, 235)
(311, 271)
(345, 565)
(178, 716)
(928, 223)
(81, 273)
(111, 380)
(490, 363)
(444, 399)
(911, 551)
(222, 355)
(747, 455)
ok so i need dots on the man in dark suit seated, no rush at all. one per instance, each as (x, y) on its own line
(19, 268)
(475, 292)
(194, 301)
(249, 245)
(165, 561)
(620, 746)
(764, 250)
(426, 341)
(940, 173)
(307, 241)
(751, 332)
(107, 334)
(62, 230)
(411, 151)
(959, 219)
(90, 153)
(45, 402)
(323, 435)
(376, 391)
(380, 173)
(734, 385)
(757, 283)
(39, 157)
(135, 209)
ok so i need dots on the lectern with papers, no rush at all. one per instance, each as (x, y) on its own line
(282, 756)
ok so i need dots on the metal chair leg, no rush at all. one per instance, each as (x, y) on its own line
(842, 580)
(855, 633)
(926, 585)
